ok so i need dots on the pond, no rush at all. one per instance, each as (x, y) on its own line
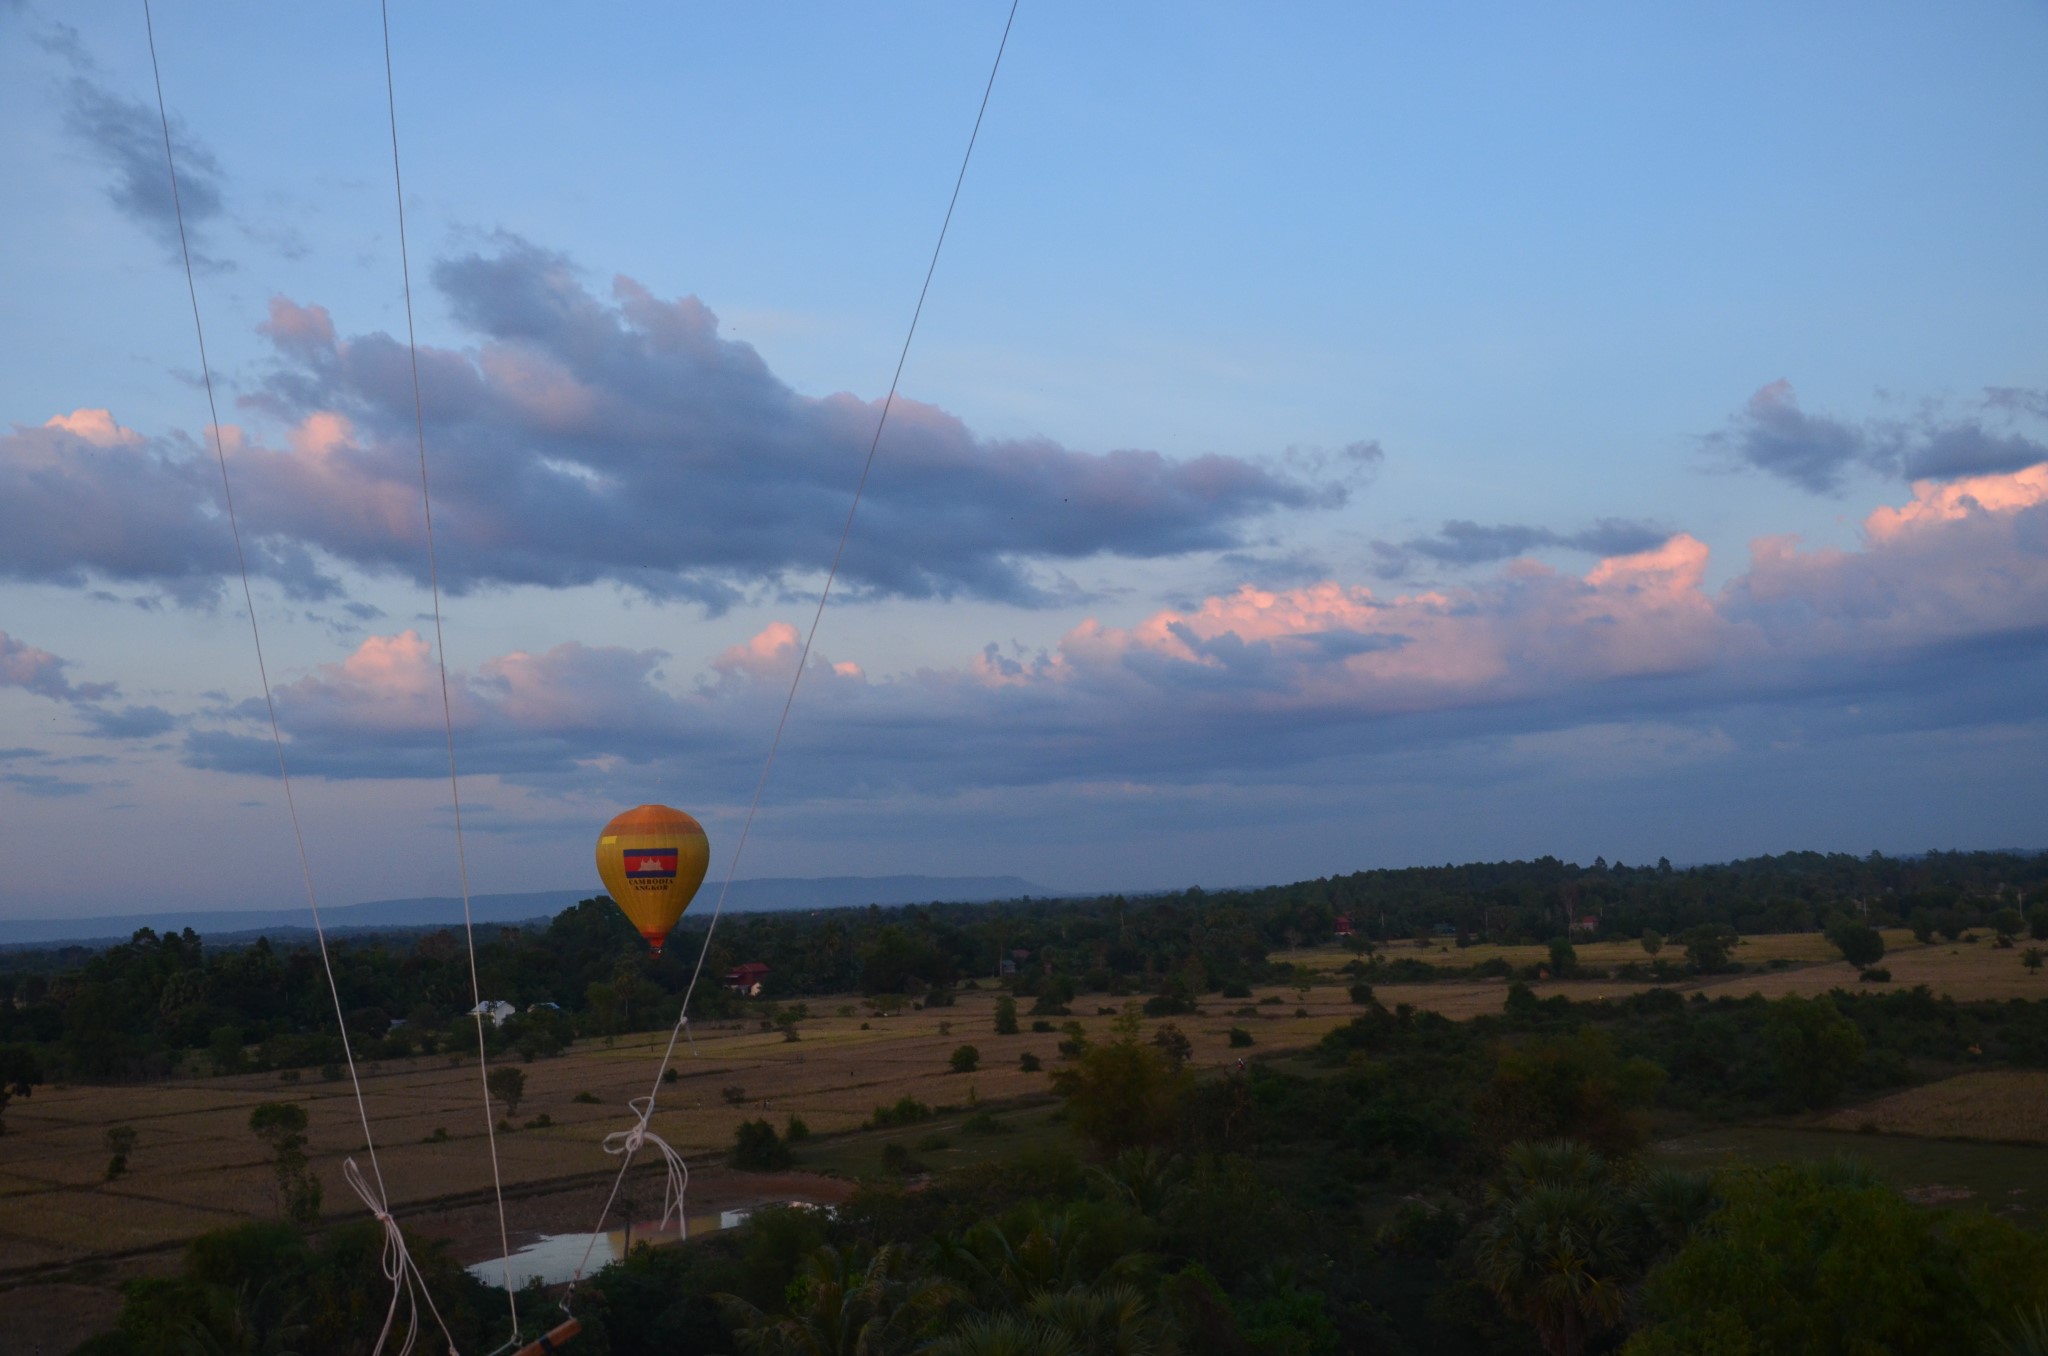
(552, 1259)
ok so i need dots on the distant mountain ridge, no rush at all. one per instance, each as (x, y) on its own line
(762, 895)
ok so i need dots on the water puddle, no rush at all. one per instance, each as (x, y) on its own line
(553, 1259)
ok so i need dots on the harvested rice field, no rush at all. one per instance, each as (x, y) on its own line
(2008, 1105)
(196, 1165)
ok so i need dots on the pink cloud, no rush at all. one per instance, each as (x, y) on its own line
(36, 670)
(96, 427)
(769, 654)
(1934, 502)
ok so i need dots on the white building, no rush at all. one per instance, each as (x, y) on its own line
(496, 1011)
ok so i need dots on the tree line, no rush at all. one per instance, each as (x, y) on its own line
(160, 1003)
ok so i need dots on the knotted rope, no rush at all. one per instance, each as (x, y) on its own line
(677, 1184)
(399, 1269)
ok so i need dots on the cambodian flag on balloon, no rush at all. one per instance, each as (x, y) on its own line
(650, 863)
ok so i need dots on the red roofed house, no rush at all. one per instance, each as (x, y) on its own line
(747, 979)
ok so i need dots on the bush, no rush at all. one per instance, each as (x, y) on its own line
(1029, 1062)
(1237, 988)
(508, 1085)
(906, 1111)
(1172, 1042)
(1877, 974)
(897, 1159)
(1239, 1037)
(1362, 993)
(966, 1059)
(1006, 1016)
(1172, 1001)
(983, 1123)
(1706, 947)
(1042, 1025)
(796, 1129)
(585, 1098)
(1859, 943)
(757, 1148)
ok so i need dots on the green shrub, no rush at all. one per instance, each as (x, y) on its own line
(906, 1111)
(757, 1148)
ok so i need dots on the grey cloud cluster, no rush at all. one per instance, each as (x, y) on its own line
(1463, 542)
(587, 440)
(82, 499)
(36, 670)
(127, 137)
(41, 673)
(1772, 433)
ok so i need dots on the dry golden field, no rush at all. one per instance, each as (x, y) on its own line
(2010, 1105)
(196, 1165)
(1961, 970)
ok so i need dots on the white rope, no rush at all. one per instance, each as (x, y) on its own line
(399, 1269)
(483, 1060)
(803, 658)
(394, 1240)
(677, 1186)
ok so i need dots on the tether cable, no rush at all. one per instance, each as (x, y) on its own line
(803, 659)
(398, 1264)
(441, 656)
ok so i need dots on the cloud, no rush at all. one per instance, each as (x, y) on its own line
(84, 498)
(1947, 595)
(130, 722)
(44, 784)
(1772, 433)
(127, 137)
(593, 440)
(40, 672)
(36, 670)
(1462, 542)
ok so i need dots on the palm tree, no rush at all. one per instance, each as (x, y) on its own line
(1140, 1178)
(1107, 1320)
(842, 1308)
(1036, 1251)
(1558, 1248)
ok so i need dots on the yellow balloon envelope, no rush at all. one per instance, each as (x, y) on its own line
(652, 859)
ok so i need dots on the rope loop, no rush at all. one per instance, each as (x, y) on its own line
(676, 1185)
(399, 1269)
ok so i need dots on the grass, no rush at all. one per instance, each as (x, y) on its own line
(1992, 1104)
(2005, 1178)
(1038, 1127)
(1965, 971)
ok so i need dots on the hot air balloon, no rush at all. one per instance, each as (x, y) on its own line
(652, 859)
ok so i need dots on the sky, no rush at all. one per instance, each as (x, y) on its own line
(1337, 436)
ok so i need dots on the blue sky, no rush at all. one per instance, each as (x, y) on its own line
(1349, 426)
